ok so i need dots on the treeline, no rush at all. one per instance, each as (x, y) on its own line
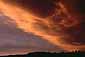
(48, 54)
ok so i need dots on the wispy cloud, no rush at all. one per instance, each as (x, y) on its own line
(13, 38)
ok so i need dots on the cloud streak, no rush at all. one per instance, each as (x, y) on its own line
(13, 39)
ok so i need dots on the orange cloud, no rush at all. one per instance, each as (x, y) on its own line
(38, 26)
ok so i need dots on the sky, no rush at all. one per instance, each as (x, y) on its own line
(15, 41)
(18, 31)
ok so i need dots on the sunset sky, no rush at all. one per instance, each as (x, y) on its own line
(26, 26)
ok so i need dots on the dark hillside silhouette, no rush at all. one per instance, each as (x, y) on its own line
(48, 54)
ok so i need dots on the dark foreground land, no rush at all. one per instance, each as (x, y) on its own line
(48, 54)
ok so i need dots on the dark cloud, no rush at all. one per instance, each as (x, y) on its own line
(41, 8)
